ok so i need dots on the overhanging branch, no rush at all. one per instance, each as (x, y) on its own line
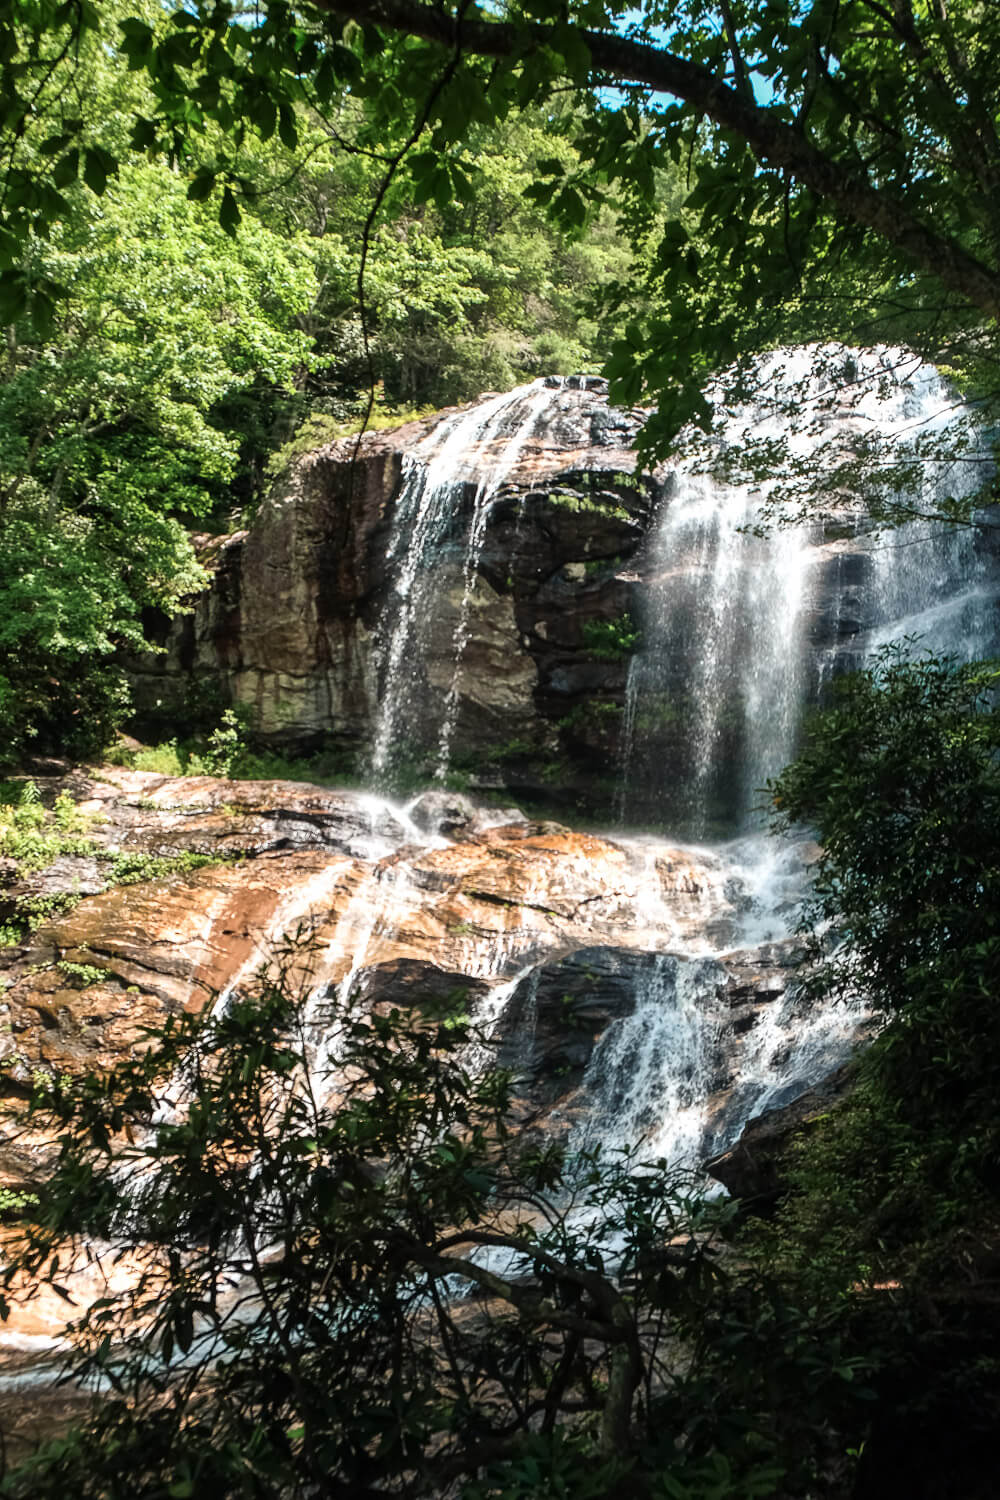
(773, 141)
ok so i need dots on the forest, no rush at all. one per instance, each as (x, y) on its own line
(416, 410)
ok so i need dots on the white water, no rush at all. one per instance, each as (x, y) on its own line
(486, 440)
(650, 1074)
(726, 652)
(670, 1077)
(726, 649)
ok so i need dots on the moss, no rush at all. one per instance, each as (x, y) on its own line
(134, 867)
(321, 429)
(578, 504)
(599, 713)
(596, 565)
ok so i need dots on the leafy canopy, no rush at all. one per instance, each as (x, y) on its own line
(901, 782)
(159, 388)
(847, 154)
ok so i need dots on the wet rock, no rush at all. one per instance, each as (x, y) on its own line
(409, 983)
(340, 868)
(443, 812)
(290, 626)
(555, 940)
(453, 815)
(752, 1168)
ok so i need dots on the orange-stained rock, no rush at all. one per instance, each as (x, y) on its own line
(348, 868)
(553, 934)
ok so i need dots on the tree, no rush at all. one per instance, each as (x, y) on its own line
(900, 781)
(822, 132)
(897, 1188)
(110, 440)
(156, 361)
(349, 1279)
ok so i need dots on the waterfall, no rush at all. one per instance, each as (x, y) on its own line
(650, 1075)
(713, 704)
(715, 698)
(657, 1076)
(743, 626)
(486, 440)
(723, 657)
(529, 406)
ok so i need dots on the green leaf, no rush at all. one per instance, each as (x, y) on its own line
(144, 134)
(66, 169)
(98, 166)
(287, 130)
(13, 296)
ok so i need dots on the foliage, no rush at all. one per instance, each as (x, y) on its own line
(225, 746)
(109, 445)
(846, 155)
(188, 758)
(610, 640)
(901, 782)
(160, 367)
(33, 911)
(15, 1203)
(134, 867)
(365, 1285)
(895, 1193)
(83, 975)
(32, 836)
(892, 1199)
(320, 429)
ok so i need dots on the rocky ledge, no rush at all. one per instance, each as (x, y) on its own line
(180, 886)
(636, 990)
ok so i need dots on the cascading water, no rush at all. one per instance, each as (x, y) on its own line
(485, 441)
(723, 659)
(715, 697)
(713, 705)
(650, 1074)
(661, 1079)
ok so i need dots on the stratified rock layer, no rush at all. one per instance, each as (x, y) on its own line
(295, 617)
(527, 629)
(400, 913)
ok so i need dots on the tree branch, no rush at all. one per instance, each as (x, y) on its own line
(774, 142)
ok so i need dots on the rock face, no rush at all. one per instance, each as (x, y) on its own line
(295, 624)
(752, 1168)
(473, 589)
(558, 940)
(639, 991)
